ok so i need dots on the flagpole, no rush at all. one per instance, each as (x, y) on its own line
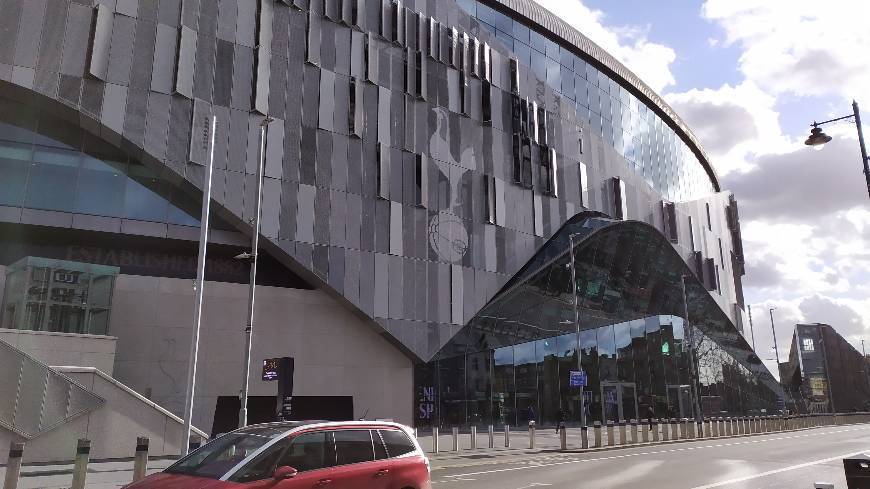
(198, 286)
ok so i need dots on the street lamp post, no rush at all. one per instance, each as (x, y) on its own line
(775, 348)
(693, 358)
(818, 138)
(252, 280)
(577, 327)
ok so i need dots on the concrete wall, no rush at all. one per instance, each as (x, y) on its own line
(112, 429)
(62, 349)
(336, 353)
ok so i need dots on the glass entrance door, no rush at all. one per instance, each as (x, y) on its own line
(680, 401)
(610, 402)
(618, 401)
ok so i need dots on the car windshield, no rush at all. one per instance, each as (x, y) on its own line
(220, 455)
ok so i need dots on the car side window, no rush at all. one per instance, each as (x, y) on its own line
(380, 448)
(353, 446)
(397, 442)
(263, 466)
(310, 451)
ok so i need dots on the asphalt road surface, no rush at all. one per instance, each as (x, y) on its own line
(793, 460)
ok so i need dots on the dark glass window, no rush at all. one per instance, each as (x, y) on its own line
(489, 196)
(311, 451)
(262, 467)
(397, 442)
(420, 180)
(486, 102)
(13, 178)
(353, 446)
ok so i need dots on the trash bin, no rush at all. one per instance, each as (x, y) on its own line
(857, 472)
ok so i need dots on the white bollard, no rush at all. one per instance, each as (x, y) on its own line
(140, 460)
(435, 440)
(474, 437)
(13, 466)
(455, 439)
(80, 471)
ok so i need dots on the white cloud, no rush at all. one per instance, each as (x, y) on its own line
(651, 61)
(801, 47)
(733, 123)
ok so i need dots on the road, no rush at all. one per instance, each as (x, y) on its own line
(793, 460)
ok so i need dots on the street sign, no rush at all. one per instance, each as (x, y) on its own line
(577, 378)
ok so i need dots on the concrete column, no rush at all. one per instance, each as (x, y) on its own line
(622, 435)
(13, 465)
(597, 434)
(80, 470)
(634, 431)
(434, 439)
(584, 437)
(666, 431)
(655, 429)
(674, 429)
(473, 437)
(728, 428)
(741, 426)
(693, 430)
(611, 438)
(491, 432)
(684, 432)
(645, 427)
(714, 426)
(140, 460)
(455, 433)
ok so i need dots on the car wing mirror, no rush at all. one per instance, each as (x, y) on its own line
(285, 472)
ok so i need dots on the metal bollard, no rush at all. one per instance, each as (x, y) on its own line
(584, 437)
(623, 439)
(563, 437)
(455, 439)
(634, 431)
(611, 438)
(435, 439)
(507, 436)
(474, 438)
(13, 466)
(140, 460)
(655, 429)
(531, 434)
(597, 434)
(675, 429)
(80, 471)
(491, 431)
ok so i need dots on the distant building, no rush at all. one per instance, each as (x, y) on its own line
(825, 373)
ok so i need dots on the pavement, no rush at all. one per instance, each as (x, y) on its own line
(790, 460)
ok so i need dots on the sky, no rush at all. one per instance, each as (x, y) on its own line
(749, 77)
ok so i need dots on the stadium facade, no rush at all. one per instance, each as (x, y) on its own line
(430, 166)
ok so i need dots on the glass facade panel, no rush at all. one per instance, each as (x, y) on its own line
(634, 348)
(49, 164)
(612, 112)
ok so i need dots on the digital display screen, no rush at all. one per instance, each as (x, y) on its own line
(270, 369)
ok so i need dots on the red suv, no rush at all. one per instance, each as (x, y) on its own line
(302, 455)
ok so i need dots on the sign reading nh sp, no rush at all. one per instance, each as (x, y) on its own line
(577, 378)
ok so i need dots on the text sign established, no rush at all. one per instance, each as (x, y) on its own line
(577, 378)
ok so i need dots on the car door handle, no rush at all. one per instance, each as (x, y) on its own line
(382, 472)
(323, 482)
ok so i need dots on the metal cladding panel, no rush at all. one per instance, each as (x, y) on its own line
(385, 128)
(186, 62)
(98, 57)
